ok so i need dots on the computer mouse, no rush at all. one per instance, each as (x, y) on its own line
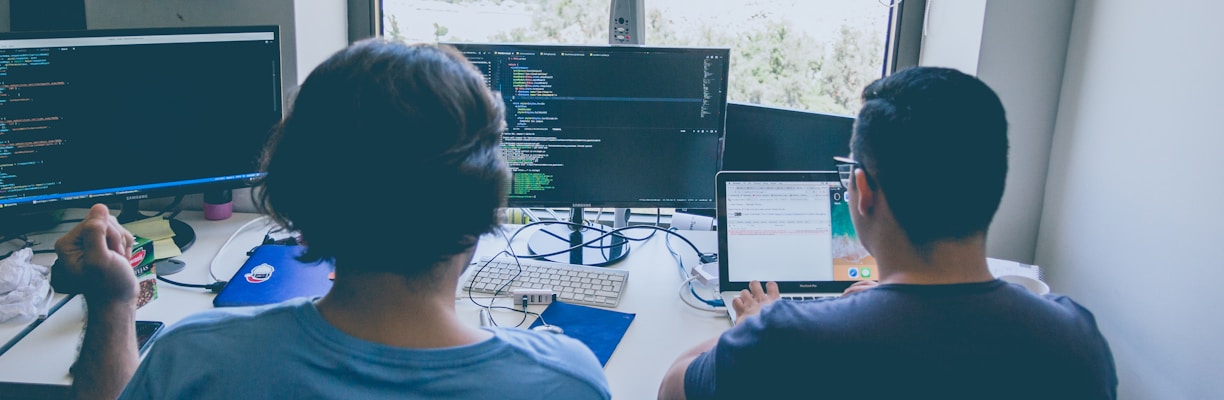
(549, 328)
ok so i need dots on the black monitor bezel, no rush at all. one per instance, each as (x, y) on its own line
(27, 207)
(724, 51)
(800, 125)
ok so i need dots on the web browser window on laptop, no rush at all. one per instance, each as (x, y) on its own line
(779, 231)
(792, 228)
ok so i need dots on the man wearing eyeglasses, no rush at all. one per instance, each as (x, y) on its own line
(924, 178)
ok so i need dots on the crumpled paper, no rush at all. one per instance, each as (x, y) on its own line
(25, 287)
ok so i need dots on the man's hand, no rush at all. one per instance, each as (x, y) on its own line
(93, 260)
(751, 300)
(860, 286)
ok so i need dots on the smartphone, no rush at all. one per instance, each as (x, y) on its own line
(144, 333)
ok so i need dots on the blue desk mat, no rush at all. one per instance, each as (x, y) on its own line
(599, 329)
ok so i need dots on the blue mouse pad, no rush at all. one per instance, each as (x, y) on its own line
(599, 329)
(273, 274)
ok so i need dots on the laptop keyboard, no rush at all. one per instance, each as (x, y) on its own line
(580, 284)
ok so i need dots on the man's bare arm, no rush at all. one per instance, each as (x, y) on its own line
(672, 387)
(108, 353)
(92, 259)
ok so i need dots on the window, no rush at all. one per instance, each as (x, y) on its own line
(814, 55)
(522, 21)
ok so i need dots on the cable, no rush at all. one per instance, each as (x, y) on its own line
(509, 250)
(707, 307)
(711, 305)
(177, 199)
(675, 256)
(530, 214)
(211, 263)
(684, 274)
(605, 234)
(212, 287)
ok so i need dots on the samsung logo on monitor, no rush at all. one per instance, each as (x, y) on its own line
(136, 197)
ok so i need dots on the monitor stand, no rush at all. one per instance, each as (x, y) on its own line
(557, 238)
(184, 235)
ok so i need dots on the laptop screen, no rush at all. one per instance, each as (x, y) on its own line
(788, 227)
(774, 226)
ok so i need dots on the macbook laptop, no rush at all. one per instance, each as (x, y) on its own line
(273, 274)
(792, 228)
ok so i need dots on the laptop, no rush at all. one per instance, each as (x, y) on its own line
(273, 274)
(792, 228)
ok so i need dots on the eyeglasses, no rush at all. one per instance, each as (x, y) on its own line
(845, 170)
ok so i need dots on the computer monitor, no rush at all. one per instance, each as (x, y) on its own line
(607, 126)
(123, 115)
(762, 138)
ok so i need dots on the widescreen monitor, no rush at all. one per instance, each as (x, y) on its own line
(606, 126)
(123, 115)
(763, 138)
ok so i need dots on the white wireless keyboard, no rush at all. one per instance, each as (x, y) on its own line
(571, 283)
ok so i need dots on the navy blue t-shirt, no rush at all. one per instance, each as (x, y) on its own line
(987, 340)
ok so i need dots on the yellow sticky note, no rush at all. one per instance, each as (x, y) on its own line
(156, 228)
(165, 248)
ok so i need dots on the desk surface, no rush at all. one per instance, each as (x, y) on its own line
(663, 328)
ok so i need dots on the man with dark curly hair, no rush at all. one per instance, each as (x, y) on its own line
(374, 122)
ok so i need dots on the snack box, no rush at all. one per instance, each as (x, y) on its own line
(142, 263)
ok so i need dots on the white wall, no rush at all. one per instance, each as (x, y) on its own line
(1018, 47)
(5, 24)
(105, 14)
(1024, 50)
(952, 34)
(1134, 204)
(322, 29)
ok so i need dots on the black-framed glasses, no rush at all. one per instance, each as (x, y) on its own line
(845, 170)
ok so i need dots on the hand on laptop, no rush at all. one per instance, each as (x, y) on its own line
(750, 301)
(860, 286)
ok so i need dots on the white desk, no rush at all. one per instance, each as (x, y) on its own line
(663, 328)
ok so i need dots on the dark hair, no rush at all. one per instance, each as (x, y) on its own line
(935, 139)
(389, 159)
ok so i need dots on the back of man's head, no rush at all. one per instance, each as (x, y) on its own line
(385, 138)
(935, 140)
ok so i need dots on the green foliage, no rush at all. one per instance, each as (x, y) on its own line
(772, 61)
(393, 28)
(856, 60)
(439, 32)
(563, 21)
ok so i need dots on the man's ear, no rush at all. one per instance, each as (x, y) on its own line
(866, 199)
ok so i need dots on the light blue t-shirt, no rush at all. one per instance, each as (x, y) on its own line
(288, 350)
